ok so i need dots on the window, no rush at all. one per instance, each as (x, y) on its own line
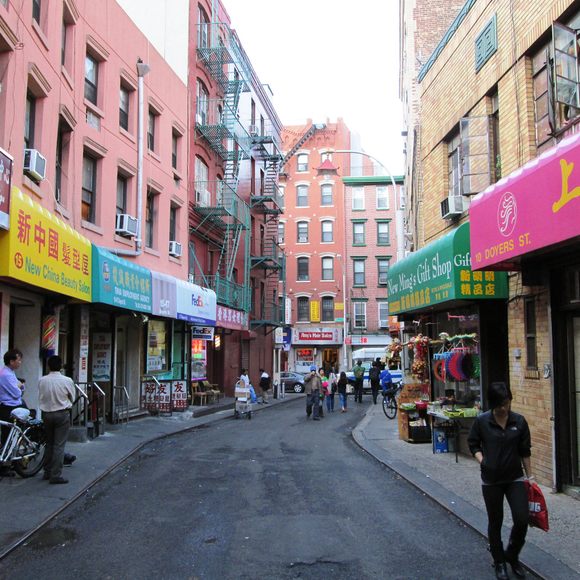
(326, 194)
(326, 156)
(151, 129)
(565, 74)
(89, 193)
(360, 314)
(327, 309)
(383, 235)
(303, 275)
(475, 154)
(530, 329)
(61, 161)
(174, 148)
(327, 231)
(358, 233)
(202, 195)
(382, 197)
(359, 272)
(69, 17)
(202, 104)
(358, 198)
(202, 29)
(63, 43)
(281, 232)
(542, 99)
(173, 213)
(327, 268)
(121, 194)
(301, 196)
(383, 314)
(124, 108)
(454, 182)
(302, 232)
(150, 218)
(495, 152)
(91, 79)
(36, 10)
(303, 309)
(29, 121)
(383, 270)
(302, 162)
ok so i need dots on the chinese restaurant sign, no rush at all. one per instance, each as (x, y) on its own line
(230, 318)
(42, 250)
(119, 282)
(534, 207)
(441, 272)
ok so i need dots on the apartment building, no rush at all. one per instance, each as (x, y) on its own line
(99, 205)
(499, 159)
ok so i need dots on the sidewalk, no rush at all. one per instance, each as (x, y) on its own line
(26, 504)
(457, 487)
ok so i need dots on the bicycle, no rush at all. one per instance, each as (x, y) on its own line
(390, 404)
(25, 445)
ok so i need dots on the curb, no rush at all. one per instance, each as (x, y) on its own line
(536, 560)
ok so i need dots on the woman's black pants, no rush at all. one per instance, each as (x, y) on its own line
(517, 497)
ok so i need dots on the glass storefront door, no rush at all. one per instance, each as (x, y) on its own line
(575, 384)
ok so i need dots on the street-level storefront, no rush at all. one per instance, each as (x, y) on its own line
(320, 346)
(45, 266)
(455, 323)
(529, 223)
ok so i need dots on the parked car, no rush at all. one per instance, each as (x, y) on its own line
(293, 382)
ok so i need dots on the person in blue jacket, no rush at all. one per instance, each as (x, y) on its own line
(386, 380)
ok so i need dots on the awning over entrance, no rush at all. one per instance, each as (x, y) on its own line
(42, 250)
(119, 282)
(164, 295)
(535, 207)
(441, 272)
(195, 304)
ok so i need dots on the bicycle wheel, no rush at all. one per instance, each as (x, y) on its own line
(390, 407)
(385, 404)
(31, 447)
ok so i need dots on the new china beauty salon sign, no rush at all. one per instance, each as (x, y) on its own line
(534, 207)
(43, 251)
(440, 272)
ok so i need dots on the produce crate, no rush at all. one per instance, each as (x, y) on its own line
(420, 434)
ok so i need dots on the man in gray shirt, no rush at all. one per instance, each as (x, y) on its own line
(56, 396)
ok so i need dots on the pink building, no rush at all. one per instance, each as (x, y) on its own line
(70, 98)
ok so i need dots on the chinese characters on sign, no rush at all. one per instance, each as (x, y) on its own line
(102, 349)
(230, 318)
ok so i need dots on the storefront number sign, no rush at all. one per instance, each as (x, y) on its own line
(441, 272)
(43, 251)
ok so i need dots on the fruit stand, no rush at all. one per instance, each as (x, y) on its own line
(413, 421)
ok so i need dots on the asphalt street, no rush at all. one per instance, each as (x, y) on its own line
(276, 497)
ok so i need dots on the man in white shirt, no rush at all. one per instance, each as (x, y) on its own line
(56, 396)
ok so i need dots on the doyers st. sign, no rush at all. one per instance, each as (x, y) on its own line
(441, 272)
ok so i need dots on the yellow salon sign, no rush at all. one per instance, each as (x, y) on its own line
(314, 311)
(42, 250)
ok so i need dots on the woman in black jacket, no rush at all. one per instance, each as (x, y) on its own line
(341, 388)
(500, 441)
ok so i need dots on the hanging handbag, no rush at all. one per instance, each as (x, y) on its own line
(537, 506)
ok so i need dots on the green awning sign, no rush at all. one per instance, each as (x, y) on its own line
(440, 272)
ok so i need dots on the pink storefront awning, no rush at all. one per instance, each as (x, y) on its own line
(534, 208)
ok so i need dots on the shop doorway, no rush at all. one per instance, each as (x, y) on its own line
(329, 359)
(575, 395)
(127, 357)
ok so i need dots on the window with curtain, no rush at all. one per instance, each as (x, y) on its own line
(326, 194)
(360, 314)
(327, 268)
(358, 198)
(359, 272)
(91, 79)
(302, 232)
(302, 162)
(382, 197)
(327, 231)
(358, 233)
(383, 233)
(383, 270)
(301, 196)
(383, 314)
(89, 192)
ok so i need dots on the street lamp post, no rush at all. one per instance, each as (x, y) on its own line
(344, 313)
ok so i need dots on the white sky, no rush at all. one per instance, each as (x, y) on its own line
(327, 58)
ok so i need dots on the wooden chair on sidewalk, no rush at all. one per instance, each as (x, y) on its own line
(198, 394)
(212, 390)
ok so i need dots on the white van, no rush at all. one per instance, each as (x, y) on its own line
(367, 356)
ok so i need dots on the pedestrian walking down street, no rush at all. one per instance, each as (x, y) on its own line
(56, 395)
(312, 387)
(332, 380)
(323, 388)
(341, 388)
(500, 441)
(264, 385)
(374, 379)
(359, 375)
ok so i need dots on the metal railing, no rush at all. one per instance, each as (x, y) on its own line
(120, 405)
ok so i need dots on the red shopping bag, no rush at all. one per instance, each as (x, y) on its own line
(537, 507)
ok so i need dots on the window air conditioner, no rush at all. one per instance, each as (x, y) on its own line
(202, 197)
(302, 239)
(174, 249)
(126, 225)
(383, 324)
(253, 130)
(452, 206)
(34, 164)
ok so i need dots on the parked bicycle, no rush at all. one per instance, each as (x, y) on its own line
(390, 402)
(25, 444)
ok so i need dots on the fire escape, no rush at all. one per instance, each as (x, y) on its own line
(219, 215)
(267, 202)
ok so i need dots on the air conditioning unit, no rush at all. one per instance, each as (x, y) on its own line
(174, 249)
(202, 197)
(302, 239)
(253, 130)
(452, 206)
(126, 225)
(34, 164)
(383, 323)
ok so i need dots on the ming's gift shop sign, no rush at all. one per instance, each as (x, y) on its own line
(43, 251)
(534, 207)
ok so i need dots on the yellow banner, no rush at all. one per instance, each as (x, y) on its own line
(314, 311)
(339, 305)
(42, 250)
